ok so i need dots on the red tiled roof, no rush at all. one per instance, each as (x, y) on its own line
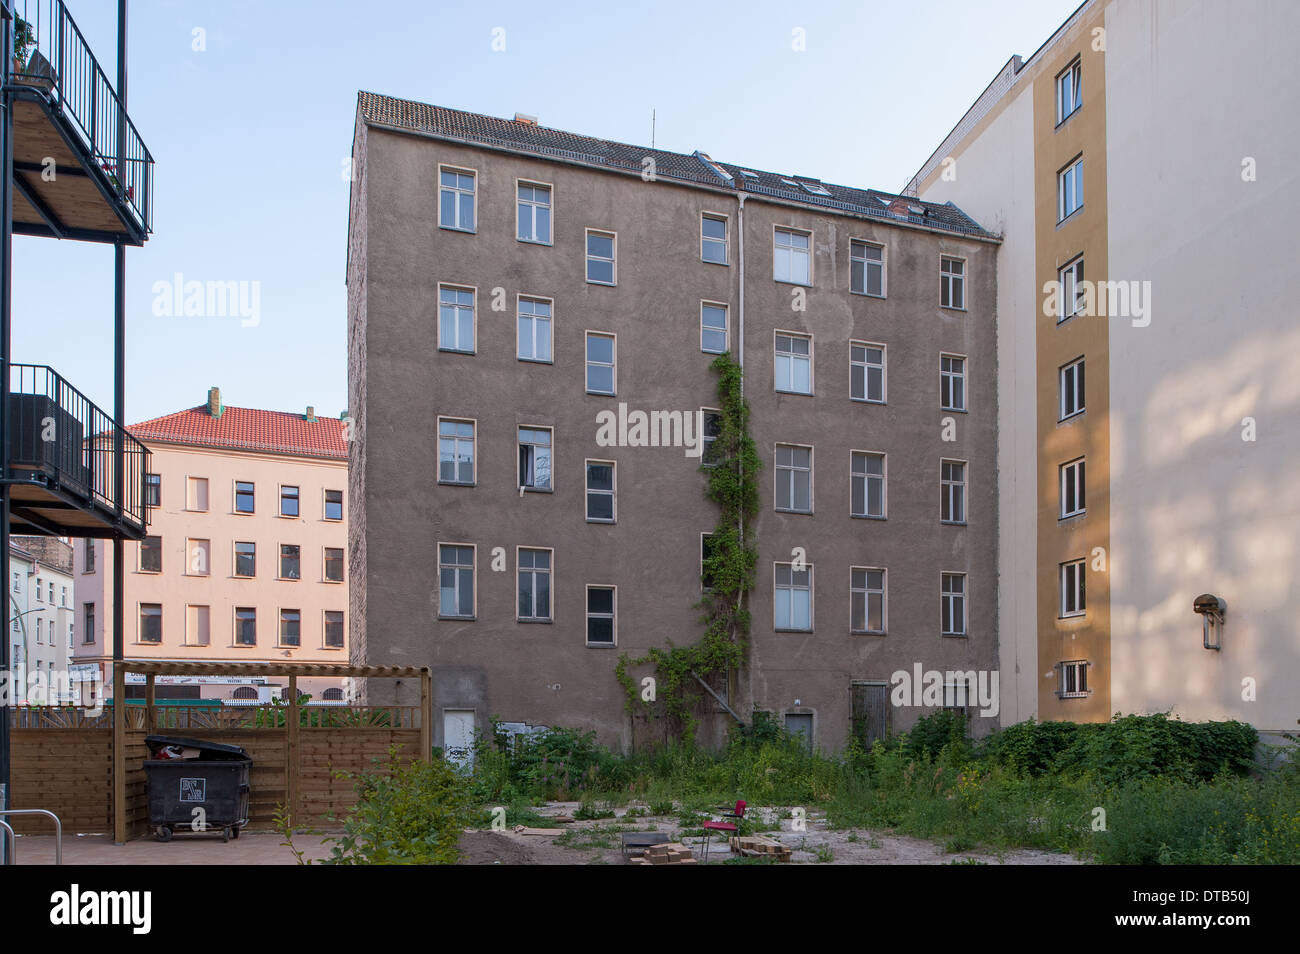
(246, 428)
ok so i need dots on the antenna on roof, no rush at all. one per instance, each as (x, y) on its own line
(652, 129)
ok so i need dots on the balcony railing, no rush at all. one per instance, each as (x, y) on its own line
(58, 60)
(59, 437)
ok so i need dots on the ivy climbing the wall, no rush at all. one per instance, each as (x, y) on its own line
(731, 466)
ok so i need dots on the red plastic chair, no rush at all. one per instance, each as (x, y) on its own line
(722, 826)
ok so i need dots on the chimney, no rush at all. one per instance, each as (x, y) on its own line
(525, 119)
(214, 402)
(311, 414)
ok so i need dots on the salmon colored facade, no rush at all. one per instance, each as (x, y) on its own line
(246, 556)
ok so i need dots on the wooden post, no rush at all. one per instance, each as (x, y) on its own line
(150, 717)
(426, 715)
(119, 754)
(291, 772)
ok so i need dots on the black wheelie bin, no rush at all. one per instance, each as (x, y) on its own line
(196, 786)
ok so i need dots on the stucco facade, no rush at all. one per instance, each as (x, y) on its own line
(1188, 486)
(491, 663)
(190, 600)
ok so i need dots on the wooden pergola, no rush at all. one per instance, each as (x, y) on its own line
(152, 668)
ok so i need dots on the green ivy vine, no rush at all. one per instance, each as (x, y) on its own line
(732, 469)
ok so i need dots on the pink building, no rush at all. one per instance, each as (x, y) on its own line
(245, 560)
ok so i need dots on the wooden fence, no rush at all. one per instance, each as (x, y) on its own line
(63, 758)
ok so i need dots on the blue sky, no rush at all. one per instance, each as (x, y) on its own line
(250, 135)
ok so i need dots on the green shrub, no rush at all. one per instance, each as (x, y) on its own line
(414, 815)
(933, 732)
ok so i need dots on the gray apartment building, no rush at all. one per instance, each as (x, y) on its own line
(508, 283)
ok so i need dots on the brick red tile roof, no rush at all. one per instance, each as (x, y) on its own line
(246, 428)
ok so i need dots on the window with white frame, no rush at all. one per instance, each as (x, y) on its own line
(952, 487)
(952, 593)
(601, 615)
(792, 597)
(1071, 288)
(534, 329)
(1072, 401)
(867, 372)
(1074, 679)
(713, 239)
(866, 600)
(1073, 589)
(455, 319)
(534, 207)
(868, 485)
(792, 257)
(794, 364)
(1069, 190)
(600, 257)
(600, 363)
(455, 451)
(455, 581)
(1069, 94)
(713, 327)
(600, 491)
(1072, 488)
(456, 199)
(952, 382)
(535, 458)
(534, 585)
(952, 283)
(710, 428)
(793, 478)
(867, 269)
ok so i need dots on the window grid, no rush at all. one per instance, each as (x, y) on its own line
(952, 283)
(793, 478)
(535, 458)
(602, 615)
(456, 199)
(601, 257)
(792, 257)
(793, 364)
(1072, 392)
(952, 382)
(713, 327)
(455, 581)
(534, 323)
(867, 269)
(455, 451)
(1073, 589)
(1073, 500)
(534, 576)
(952, 481)
(867, 477)
(600, 363)
(867, 372)
(953, 599)
(792, 600)
(713, 239)
(867, 600)
(600, 491)
(534, 213)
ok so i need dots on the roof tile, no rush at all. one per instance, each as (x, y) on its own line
(245, 428)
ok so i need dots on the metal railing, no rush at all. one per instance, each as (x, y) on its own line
(13, 840)
(58, 60)
(58, 432)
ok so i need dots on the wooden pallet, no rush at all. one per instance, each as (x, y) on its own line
(757, 846)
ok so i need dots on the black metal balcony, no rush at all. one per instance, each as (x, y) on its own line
(60, 474)
(71, 178)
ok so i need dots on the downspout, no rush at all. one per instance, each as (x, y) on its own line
(740, 360)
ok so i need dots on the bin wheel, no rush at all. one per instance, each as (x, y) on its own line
(225, 833)
(234, 832)
(165, 833)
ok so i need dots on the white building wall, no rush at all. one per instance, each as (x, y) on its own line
(1194, 88)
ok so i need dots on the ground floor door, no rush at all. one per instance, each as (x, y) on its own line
(870, 711)
(458, 736)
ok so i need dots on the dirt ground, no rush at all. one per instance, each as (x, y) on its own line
(597, 842)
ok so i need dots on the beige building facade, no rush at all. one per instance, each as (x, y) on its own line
(246, 558)
(1134, 166)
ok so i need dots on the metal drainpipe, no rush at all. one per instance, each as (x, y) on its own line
(740, 348)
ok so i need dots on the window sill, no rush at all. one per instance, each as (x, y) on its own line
(1060, 222)
(1074, 112)
(592, 281)
(858, 400)
(799, 393)
(953, 523)
(288, 579)
(603, 393)
(237, 576)
(331, 649)
(243, 513)
(287, 516)
(442, 483)
(801, 513)
(865, 294)
(1073, 695)
(705, 261)
(528, 241)
(455, 350)
(591, 645)
(457, 228)
(544, 621)
(1071, 417)
(462, 619)
(868, 632)
(867, 516)
(534, 360)
(539, 490)
(334, 519)
(1071, 516)
(333, 582)
(790, 281)
(609, 523)
(955, 635)
(954, 410)
(150, 572)
(779, 630)
(953, 308)
(1067, 617)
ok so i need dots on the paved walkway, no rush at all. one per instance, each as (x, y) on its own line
(250, 848)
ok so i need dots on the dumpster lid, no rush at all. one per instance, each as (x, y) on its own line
(213, 750)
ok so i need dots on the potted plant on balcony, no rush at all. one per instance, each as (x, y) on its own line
(24, 43)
